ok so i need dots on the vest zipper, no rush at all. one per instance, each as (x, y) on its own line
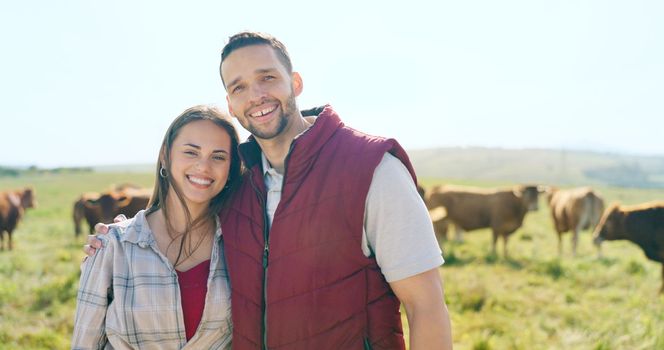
(367, 345)
(266, 239)
(266, 252)
(265, 257)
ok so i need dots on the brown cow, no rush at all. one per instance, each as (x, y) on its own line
(474, 208)
(438, 216)
(641, 224)
(574, 210)
(421, 191)
(12, 208)
(113, 203)
(92, 212)
(440, 223)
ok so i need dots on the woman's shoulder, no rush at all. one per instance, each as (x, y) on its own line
(130, 229)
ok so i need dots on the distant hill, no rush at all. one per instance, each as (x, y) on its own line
(6, 171)
(542, 166)
(560, 167)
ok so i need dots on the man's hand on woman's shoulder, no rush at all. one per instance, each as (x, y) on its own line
(93, 242)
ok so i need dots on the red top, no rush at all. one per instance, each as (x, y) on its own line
(193, 288)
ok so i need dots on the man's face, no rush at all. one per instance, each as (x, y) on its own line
(260, 91)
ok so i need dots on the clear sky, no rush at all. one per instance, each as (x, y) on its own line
(97, 82)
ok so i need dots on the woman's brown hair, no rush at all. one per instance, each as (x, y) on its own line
(163, 182)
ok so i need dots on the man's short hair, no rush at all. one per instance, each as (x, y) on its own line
(244, 39)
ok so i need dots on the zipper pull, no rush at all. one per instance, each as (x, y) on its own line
(266, 251)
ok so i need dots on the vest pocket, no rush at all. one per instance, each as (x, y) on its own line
(367, 346)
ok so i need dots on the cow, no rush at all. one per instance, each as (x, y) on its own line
(438, 216)
(12, 207)
(421, 191)
(468, 208)
(641, 224)
(574, 210)
(103, 207)
(440, 223)
(438, 213)
(113, 203)
(92, 213)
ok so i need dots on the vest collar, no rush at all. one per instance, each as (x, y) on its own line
(303, 148)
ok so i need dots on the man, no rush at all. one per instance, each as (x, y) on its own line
(327, 234)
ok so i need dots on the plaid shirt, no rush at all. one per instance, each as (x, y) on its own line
(129, 296)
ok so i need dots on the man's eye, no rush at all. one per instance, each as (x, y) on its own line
(269, 77)
(237, 89)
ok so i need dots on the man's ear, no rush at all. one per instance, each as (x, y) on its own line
(296, 83)
(230, 109)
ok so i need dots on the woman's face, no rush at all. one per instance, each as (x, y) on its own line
(200, 162)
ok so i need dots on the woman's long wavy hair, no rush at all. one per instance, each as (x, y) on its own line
(163, 183)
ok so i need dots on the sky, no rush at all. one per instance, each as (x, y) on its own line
(85, 83)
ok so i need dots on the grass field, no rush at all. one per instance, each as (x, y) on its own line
(534, 300)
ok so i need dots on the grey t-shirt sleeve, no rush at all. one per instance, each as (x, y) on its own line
(397, 227)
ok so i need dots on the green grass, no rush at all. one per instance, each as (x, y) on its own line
(538, 300)
(39, 278)
(533, 300)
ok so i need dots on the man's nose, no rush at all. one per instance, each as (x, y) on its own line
(258, 93)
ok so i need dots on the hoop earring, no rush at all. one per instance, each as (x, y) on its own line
(162, 172)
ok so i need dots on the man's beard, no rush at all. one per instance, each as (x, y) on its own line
(287, 111)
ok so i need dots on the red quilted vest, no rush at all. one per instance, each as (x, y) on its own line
(310, 286)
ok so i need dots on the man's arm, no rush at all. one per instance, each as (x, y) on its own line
(423, 298)
(399, 232)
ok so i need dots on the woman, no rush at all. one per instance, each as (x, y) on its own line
(160, 280)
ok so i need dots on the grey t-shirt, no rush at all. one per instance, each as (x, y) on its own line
(397, 227)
